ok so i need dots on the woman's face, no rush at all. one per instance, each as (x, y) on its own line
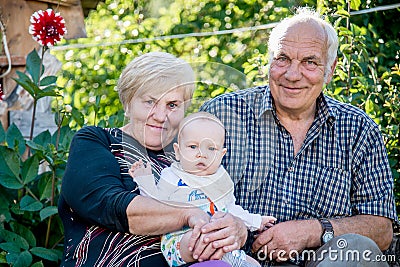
(154, 118)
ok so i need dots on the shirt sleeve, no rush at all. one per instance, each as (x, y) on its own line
(92, 185)
(373, 181)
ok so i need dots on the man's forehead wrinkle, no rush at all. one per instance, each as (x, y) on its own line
(303, 37)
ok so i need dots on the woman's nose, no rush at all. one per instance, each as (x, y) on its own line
(159, 113)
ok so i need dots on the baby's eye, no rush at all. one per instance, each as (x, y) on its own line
(212, 148)
(193, 146)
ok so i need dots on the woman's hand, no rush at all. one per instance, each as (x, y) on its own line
(224, 233)
(196, 220)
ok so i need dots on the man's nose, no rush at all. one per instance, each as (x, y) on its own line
(293, 71)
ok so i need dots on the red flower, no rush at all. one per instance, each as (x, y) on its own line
(47, 27)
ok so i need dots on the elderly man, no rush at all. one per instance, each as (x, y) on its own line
(318, 165)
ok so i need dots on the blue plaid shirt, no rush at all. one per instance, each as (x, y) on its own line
(341, 169)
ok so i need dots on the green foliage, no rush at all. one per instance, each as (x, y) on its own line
(28, 195)
(367, 76)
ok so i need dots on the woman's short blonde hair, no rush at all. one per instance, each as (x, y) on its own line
(155, 72)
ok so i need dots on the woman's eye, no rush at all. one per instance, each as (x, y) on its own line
(172, 105)
(149, 102)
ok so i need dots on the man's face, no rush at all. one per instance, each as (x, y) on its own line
(296, 74)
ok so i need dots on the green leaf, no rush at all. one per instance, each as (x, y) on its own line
(78, 117)
(9, 181)
(43, 138)
(345, 48)
(44, 253)
(5, 214)
(48, 80)
(33, 65)
(14, 238)
(27, 83)
(25, 232)
(2, 134)
(15, 139)
(9, 168)
(355, 4)
(29, 204)
(342, 12)
(35, 146)
(45, 186)
(10, 247)
(47, 212)
(38, 264)
(30, 169)
(48, 91)
(23, 259)
(16, 209)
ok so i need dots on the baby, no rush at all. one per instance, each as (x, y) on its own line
(198, 179)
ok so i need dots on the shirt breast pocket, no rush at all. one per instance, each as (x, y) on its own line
(331, 192)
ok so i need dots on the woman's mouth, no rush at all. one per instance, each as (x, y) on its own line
(156, 127)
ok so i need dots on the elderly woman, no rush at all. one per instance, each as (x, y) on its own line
(106, 220)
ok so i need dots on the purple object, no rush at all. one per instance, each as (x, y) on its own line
(212, 263)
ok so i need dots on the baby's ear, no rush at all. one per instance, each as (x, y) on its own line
(176, 149)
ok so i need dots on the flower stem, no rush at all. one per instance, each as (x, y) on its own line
(33, 118)
(35, 97)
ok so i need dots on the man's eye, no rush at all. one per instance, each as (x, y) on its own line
(281, 59)
(310, 62)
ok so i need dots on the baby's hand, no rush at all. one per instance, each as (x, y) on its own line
(267, 222)
(139, 169)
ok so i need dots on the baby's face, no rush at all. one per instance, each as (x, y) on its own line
(200, 147)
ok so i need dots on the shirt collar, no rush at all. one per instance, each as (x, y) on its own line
(325, 111)
(266, 103)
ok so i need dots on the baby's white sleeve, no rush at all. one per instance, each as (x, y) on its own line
(251, 220)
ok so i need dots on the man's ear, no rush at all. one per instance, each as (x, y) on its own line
(328, 80)
(176, 149)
